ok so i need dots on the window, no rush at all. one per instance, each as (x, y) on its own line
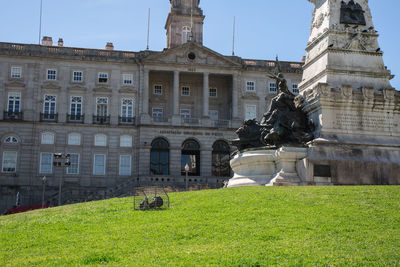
(11, 140)
(127, 108)
(51, 75)
(185, 91)
(99, 164)
(213, 114)
(46, 163)
(272, 88)
(127, 79)
(159, 157)
(158, 89)
(14, 102)
(125, 141)
(186, 34)
(74, 139)
(47, 139)
(16, 72)
(295, 88)
(100, 140)
(213, 92)
(220, 159)
(76, 107)
(9, 161)
(185, 113)
(125, 164)
(251, 112)
(103, 77)
(49, 106)
(102, 106)
(158, 114)
(74, 164)
(250, 86)
(77, 76)
(190, 155)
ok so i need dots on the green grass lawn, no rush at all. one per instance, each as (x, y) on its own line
(261, 226)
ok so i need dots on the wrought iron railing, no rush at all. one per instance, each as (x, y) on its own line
(45, 117)
(126, 120)
(75, 118)
(13, 116)
(102, 120)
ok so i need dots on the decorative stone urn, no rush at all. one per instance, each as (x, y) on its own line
(266, 167)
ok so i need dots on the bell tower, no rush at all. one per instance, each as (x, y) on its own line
(184, 23)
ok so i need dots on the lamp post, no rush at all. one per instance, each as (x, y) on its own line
(186, 171)
(43, 191)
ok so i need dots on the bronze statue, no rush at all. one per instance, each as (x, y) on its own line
(284, 124)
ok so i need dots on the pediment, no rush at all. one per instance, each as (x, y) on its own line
(202, 56)
(15, 84)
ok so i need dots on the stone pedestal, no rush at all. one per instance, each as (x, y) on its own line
(267, 167)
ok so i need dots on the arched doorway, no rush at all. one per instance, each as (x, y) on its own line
(191, 156)
(220, 159)
(159, 157)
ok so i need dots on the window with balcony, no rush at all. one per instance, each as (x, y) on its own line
(13, 107)
(76, 114)
(125, 165)
(127, 111)
(16, 72)
(250, 86)
(77, 76)
(51, 75)
(158, 90)
(46, 163)
(49, 108)
(127, 79)
(101, 116)
(103, 77)
(9, 162)
(185, 114)
(73, 168)
(213, 114)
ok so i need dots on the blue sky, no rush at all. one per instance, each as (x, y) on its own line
(265, 28)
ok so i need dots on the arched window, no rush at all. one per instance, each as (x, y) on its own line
(11, 140)
(191, 156)
(186, 34)
(159, 157)
(48, 138)
(220, 159)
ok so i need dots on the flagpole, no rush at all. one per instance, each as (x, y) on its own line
(148, 30)
(40, 23)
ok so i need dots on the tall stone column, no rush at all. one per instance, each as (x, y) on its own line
(144, 89)
(206, 89)
(235, 102)
(176, 119)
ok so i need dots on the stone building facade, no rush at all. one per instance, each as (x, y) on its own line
(125, 116)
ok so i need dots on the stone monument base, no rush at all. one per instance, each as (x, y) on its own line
(266, 167)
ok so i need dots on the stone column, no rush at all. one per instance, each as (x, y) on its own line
(176, 118)
(144, 90)
(176, 93)
(206, 89)
(235, 101)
